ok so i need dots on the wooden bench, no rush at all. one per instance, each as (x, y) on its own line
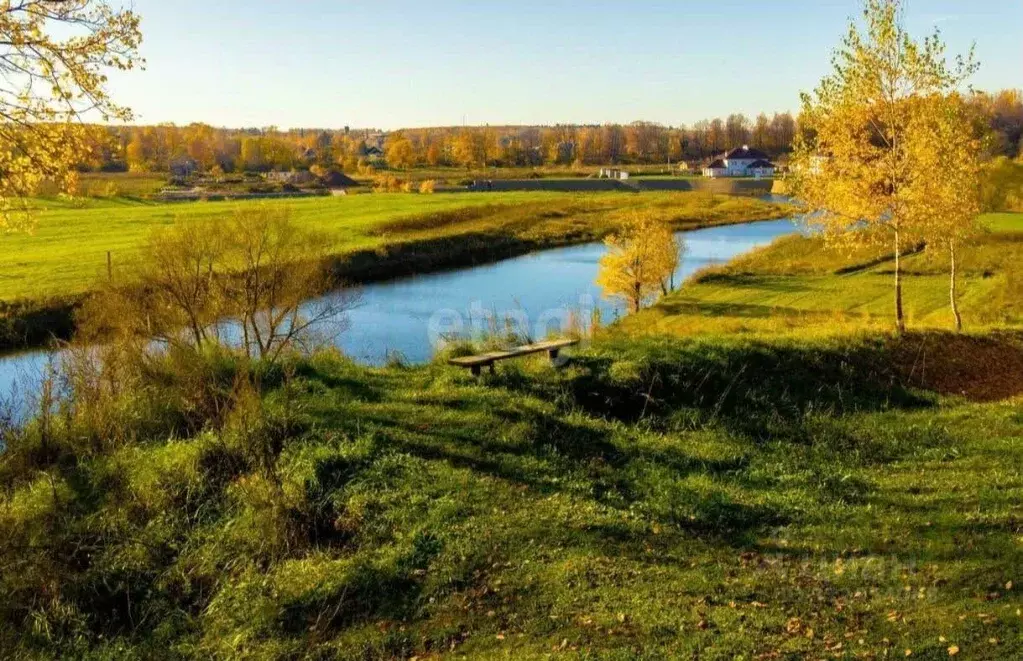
(477, 363)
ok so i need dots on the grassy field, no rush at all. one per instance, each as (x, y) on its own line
(798, 285)
(107, 185)
(67, 252)
(456, 175)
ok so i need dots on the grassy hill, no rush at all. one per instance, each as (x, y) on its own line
(792, 490)
(799, 285)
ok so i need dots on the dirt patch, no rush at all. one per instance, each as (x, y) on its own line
(981, 368)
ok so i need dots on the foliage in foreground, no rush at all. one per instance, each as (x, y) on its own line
(54, 59)
(654, 499)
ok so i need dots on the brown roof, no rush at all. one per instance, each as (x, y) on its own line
(335, 179)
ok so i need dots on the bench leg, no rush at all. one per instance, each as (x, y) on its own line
(493, 368)
(476, 370)
(553, 353)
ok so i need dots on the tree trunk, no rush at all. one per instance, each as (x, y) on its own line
(953, 297)
(900, 320)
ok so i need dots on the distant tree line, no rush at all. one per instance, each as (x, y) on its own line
(207, 149)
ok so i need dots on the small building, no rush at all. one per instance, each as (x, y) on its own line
(338, 183)
(717, 168)
(741, 162)
(613, 173)
(762, 169)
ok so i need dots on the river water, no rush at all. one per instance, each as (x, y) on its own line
(537, 293)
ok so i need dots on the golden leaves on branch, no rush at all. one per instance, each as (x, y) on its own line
(49, 84)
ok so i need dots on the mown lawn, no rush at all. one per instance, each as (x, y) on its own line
(67, 252)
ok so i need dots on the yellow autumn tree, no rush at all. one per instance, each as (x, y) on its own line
(640, 262)
(852, 161)
(400, 153)
(1002, 185)
(943, 193)
(54, 61)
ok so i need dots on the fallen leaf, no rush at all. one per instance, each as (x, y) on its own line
(952, 651)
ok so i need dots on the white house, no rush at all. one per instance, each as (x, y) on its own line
(741, 162)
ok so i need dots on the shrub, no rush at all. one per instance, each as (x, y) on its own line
(386, 183)
(428, 187)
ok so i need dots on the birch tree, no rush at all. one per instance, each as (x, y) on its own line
(853, 164)
(943, 194)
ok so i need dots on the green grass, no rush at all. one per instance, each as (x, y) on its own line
(114, 184)
(66, 254)
(748, 470)
(656, 499)
(454, 175)
(799, 285)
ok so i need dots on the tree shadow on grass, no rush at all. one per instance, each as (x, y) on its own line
(759, 390)
(692, 308)
(585, 460)
(774, 283)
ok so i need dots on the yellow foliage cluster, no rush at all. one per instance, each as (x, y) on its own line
(887, 153)
(641, 261)
(53, 63)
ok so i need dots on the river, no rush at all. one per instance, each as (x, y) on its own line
(538, 292)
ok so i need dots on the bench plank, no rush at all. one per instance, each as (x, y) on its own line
(488, 359)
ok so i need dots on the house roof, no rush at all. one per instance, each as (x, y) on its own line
(762, 164)
(717, 165)
(335, 179)
(745, 152)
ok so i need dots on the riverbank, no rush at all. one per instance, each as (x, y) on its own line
(798, 286)
(374, 238)
(672, 492)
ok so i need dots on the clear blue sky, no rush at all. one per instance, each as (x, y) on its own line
(391, 64)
